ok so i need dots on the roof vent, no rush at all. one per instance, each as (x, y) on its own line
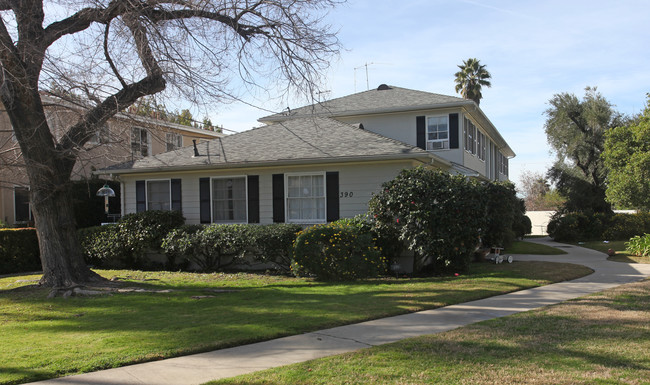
(383, 87)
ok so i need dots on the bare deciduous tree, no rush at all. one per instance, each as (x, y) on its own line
(115, 52)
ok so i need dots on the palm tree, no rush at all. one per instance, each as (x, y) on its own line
(471, 77)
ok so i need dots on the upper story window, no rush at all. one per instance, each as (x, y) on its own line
(305, 195)
(140, 141)
(100, 136)
(502, 164)
(158, 195)
(229, 200)
(469, 131)
(173, 140)
(481, 144)
(437, 132)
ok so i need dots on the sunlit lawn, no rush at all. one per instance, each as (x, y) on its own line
(619, 246)
(599, 339)
(44, 338)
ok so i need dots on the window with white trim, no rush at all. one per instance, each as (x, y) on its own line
(229, 200)
(502, 164)
(22, 211)
(100, 136)
(469, 130)
(305, 195)
(437, 132)
(159, 195)
(140, 141)
(481, 145)
(173, 140)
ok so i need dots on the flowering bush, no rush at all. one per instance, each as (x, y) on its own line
(342, 250)
(434, 214)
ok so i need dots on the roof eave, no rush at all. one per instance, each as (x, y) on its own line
(280, 118)
(432, 158)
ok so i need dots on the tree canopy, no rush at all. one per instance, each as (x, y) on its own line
(471, 78)
(114, 52)
(627, 157)
(575, 129)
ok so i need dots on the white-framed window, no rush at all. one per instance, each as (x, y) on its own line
(173, 140)
(305, 197)
(481, 145)
(22, 210)
(470, 131)
(159, 194)
(100, 136)
(229, 199)
(437, 132)
(502, 164)
(140, 141)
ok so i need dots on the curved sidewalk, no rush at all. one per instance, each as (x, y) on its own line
(200, 368)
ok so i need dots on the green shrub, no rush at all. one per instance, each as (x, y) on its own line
(337, 251)
(210, 247)
(504, 212)
(178, 244)
(571, 227)
(625, 226)
(274, 243)
(639, 245)
(434, 214)
(124, 244)
(19, 251)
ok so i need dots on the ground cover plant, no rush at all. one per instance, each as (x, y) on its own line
(598, 339)
(184, 313)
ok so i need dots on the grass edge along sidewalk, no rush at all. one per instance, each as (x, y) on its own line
(596, 339)
(49, 338)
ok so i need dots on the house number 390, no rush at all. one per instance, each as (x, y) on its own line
(346, 194)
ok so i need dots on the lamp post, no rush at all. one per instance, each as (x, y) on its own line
(106, 192)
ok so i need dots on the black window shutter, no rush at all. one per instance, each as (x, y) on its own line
(332, 195)
(420, 132)
(278, 198)
(453, 130)
(176, 195)
(140, 196)
(253, 199)
(204, 200)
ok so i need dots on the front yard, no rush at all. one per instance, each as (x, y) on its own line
(598, 339)
(182, 313)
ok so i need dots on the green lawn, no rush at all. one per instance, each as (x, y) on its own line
(523, 247)
(619, 246)
(44, 338)
(599, 339)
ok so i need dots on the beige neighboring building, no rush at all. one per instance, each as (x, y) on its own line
(125, 137)
(318, 163)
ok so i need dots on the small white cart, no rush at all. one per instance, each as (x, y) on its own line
(495, 255)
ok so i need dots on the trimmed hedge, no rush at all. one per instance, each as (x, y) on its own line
(19, 251)
(124, 244)
(578, 226)
(342, 250)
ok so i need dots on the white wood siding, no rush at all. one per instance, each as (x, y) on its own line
(359, 179)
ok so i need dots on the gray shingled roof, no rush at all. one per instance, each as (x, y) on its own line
(383, 99)
(297, 140)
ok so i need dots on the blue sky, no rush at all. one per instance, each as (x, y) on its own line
(533, 49)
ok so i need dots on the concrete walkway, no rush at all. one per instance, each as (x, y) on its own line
(200, 368)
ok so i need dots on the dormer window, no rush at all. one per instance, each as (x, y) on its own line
(438, 132)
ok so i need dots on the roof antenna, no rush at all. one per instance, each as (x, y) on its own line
(196, 150)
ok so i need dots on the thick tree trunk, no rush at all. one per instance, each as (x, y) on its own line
(49, 168)
(61, 257)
